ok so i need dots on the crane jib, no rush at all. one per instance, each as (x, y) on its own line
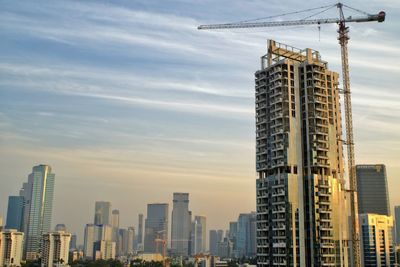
(380, 17)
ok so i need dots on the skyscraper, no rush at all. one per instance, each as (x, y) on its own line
(89, 239)
(15, 213)
(216, 236)
(140, 233)
(55, 249)
(156, 226)
(115, 219)
(397, 221)
(377, 247)
(40, 193)
(300, 199)
(131, 240)
(373, 196)
(102, 213)
(181, 225)
(246, 235)
(198, 235)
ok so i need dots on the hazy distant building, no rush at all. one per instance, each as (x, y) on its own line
(1, 223)
(216, 236)
(131, 240)
(72, 244)
(104, 250)
(299, 161)
(102, 212)
(225, 248)
(377, 246)
(156, 226)
(122, 242)
(39, 193)
(91, 236)
(115, 218)
(55, 249)
(397, 221)
(15, 213)
(373, 196)
(60, 227)
(181, 225)
(139, 240)
(198, 235)
(11, 247)
(246, 235)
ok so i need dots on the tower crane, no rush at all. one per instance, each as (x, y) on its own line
(343, 38)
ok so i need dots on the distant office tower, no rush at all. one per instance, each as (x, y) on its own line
(131, 240)
(122, 242)
(181, 225)
(102, 213)
(15, 213)
(11, 247)
(233, 228)
(156, 227)
(115, 226)
(60, 227)
(140, 233)
(246, 235)
(104, 250)
(300, 198)
(373, 196)
(115, 218)
(397, 221)
(216, 236)
(105, 232)
(377, 245)
(91, 236)
(39, 193)
(72, 244)
(198, 235)
(55, 249)
(1, 223)
(225, 248)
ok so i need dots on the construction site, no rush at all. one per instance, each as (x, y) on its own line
(307, 212)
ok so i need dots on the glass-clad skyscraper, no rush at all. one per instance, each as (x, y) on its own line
(15, 212)
(301, 214)
(40, 189)
(372, 190)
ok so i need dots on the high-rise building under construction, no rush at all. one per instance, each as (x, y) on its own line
(301, 209)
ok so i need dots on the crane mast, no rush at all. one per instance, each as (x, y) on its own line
(343, 41)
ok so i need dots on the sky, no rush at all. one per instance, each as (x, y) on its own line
(129, 102)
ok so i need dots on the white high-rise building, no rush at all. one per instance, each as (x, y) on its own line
(198, 235)
(55, 249)
(89, 239)
(11, 248)
(104, 250)
(181, 225)
(377, 244)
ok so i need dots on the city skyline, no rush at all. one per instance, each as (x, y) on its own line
(187, 126)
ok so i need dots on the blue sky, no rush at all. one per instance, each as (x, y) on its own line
(129, 102)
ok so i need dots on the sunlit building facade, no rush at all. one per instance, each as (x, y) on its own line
(301, 218)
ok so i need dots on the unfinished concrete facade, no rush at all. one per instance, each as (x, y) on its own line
(301, 218)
